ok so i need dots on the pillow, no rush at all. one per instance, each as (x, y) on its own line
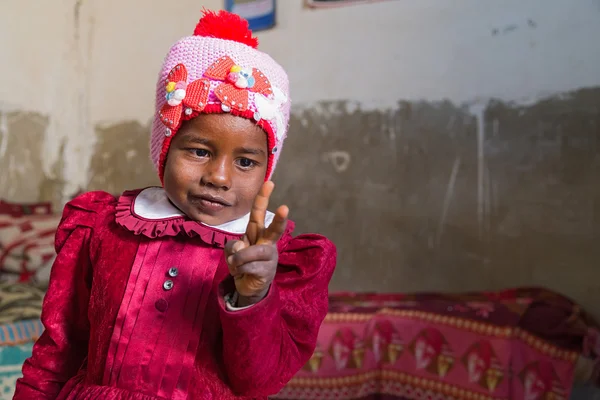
(27, 242)
(18, 209)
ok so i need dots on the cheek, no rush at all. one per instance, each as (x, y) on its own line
(177, 171)
(248, 188)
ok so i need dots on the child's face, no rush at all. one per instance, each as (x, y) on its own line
(215, 167)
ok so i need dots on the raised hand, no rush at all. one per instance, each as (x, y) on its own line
(253, 260)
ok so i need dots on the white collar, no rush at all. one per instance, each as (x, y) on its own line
(153, 204)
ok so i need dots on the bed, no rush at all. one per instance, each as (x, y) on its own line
(524, 343)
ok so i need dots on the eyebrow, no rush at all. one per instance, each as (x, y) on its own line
(196, 139)
(247, 150)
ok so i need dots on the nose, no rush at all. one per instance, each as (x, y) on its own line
(217, 173)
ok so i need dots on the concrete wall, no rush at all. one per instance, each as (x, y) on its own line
(449, 145)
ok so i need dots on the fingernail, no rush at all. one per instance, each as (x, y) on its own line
(229, 260)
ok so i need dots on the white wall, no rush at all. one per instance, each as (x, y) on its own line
(85, 63)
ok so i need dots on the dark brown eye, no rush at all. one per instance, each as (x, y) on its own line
(246, 163)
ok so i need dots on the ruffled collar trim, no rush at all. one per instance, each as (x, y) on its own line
(149, 212)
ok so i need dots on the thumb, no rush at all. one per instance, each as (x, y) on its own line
(233, 247)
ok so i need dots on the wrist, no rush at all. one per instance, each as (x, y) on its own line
(245, 301)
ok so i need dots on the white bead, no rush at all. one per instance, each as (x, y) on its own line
(257, 116)
(168, 132)
(225, 107)
(241, 83)
(188, 111)
(179, 94)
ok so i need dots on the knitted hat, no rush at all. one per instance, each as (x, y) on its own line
(219, 70)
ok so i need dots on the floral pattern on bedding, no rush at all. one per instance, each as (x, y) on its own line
(509, 345)
(11, 361)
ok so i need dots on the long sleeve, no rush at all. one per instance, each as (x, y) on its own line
(265, 345)
(62, 348)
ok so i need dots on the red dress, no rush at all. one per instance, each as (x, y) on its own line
(135, 308)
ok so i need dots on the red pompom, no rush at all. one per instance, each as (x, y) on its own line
(225, 25)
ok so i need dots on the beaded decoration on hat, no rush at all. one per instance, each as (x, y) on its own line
(220, 70)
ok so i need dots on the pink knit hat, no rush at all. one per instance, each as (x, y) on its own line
(219, 70)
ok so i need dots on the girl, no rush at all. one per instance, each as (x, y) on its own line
(192, 290)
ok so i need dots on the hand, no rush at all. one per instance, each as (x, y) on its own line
(253, 260)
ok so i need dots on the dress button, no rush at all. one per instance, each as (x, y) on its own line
(173, 272)
(168, 285)
(161, 305)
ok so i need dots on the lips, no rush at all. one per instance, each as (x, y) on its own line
(208, 203)
(212, 199)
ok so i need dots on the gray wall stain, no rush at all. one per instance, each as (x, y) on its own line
(52, 187)
(22, 177)
(435, 198)
(121, 158)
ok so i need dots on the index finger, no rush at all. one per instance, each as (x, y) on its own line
(256, 224)
(274, 232)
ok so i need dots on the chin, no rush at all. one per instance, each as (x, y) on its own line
(213, 219)
(205, 218)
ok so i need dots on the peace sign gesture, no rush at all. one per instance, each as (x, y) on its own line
(252, 261)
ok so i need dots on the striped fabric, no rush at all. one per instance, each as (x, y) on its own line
(15, 333)
(20, 302)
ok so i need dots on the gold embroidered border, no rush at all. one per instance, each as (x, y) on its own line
(443, 388)
(477, 327)
(546, 348)
(455, 322)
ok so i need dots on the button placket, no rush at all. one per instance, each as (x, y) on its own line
(162, 304)
(172, 273)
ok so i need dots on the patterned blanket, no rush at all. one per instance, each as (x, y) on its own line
(27, 242)
(11, 360)
(19, 301)
(518, 344)
(20, 326)
(16, 343)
